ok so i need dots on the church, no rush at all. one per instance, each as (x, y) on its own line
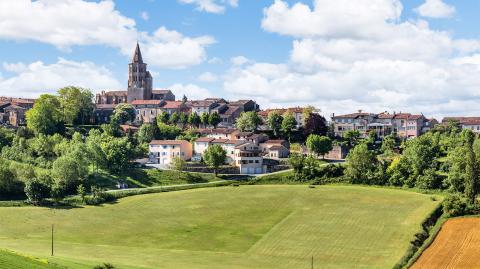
(139, 90)
(140, 87)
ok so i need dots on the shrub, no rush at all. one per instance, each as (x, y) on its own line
(37, 190)
(455, 205)
(98, 196)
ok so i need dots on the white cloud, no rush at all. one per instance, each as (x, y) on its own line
(215, 60)
(144, 15)
(239, 60)
(170, 49)
(211, 6)
(208, 77)
(57, 22)
(192, 91)
(349, 56)
(36, 78)
(436, 9)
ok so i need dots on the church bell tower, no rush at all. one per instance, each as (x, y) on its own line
(139, 79)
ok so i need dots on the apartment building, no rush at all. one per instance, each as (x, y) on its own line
(471, 123)
(405, 125)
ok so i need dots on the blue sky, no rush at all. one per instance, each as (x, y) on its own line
(277, 59)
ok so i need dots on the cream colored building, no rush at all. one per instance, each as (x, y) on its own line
(162, 152)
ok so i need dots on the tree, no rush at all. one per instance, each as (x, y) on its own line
(248, 121)
(68, 173)
(193, 120)
(76, 104)
(163, 117)
(118, 153)
(82, 192)
(174, 118)
(307, 112)
(167, 131)
(178, 164)
(471, 170)
(147, 133)
(183, 119)
(360, 165)
(214, 119)
(297, 161)
(319, 145)
(315, 124)
(288, 124)
(124, 113)
(37, 190)
(352, 136)
(388, 144)
(214, 157)
(46, 116)
(204, 119)
(10, 185)
(274, 121)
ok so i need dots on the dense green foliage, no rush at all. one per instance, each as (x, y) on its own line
(248, 121)
(215, 156)
(46, 116)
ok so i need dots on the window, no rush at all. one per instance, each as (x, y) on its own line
(256, 161)
(164, 154)
(250, 161)
(164, 147)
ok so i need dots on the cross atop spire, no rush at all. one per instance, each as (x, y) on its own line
(137, 55)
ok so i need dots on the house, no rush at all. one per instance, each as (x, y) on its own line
(16, 115)
(203, 106)
(248, 159)
(163, 152)
(147, 110)
(471, 123)
(297, 113)
(218, 133)
(405, 125)
(202, 143)
(275, 149)
(337, 153)
(277, 152)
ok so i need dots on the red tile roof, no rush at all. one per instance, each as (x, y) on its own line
(172, 104)
(147, 102)
(205, 139)
(168, 142)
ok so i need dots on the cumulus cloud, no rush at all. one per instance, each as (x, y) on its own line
(31, 80)
(239, 60)
(192, 91)
(208, 77)
(348, 56)
(57, 22)
(211, 6)
(436, 9)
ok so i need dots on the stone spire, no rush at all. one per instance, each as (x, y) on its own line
(137, 55)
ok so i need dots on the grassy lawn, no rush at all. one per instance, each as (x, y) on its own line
(228, 227)
(141, 178)
(10, 260)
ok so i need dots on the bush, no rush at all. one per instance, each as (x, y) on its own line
(98, 196)
(455, 205)
(429, 180)
(37, 190)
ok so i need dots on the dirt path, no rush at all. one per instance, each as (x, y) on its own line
(456, 246)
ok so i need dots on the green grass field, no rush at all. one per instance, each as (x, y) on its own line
(10, 260)
(227, 227)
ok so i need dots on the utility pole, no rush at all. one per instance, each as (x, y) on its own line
(52, 239)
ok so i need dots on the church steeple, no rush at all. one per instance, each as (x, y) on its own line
(139, 79)
(137, 55)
